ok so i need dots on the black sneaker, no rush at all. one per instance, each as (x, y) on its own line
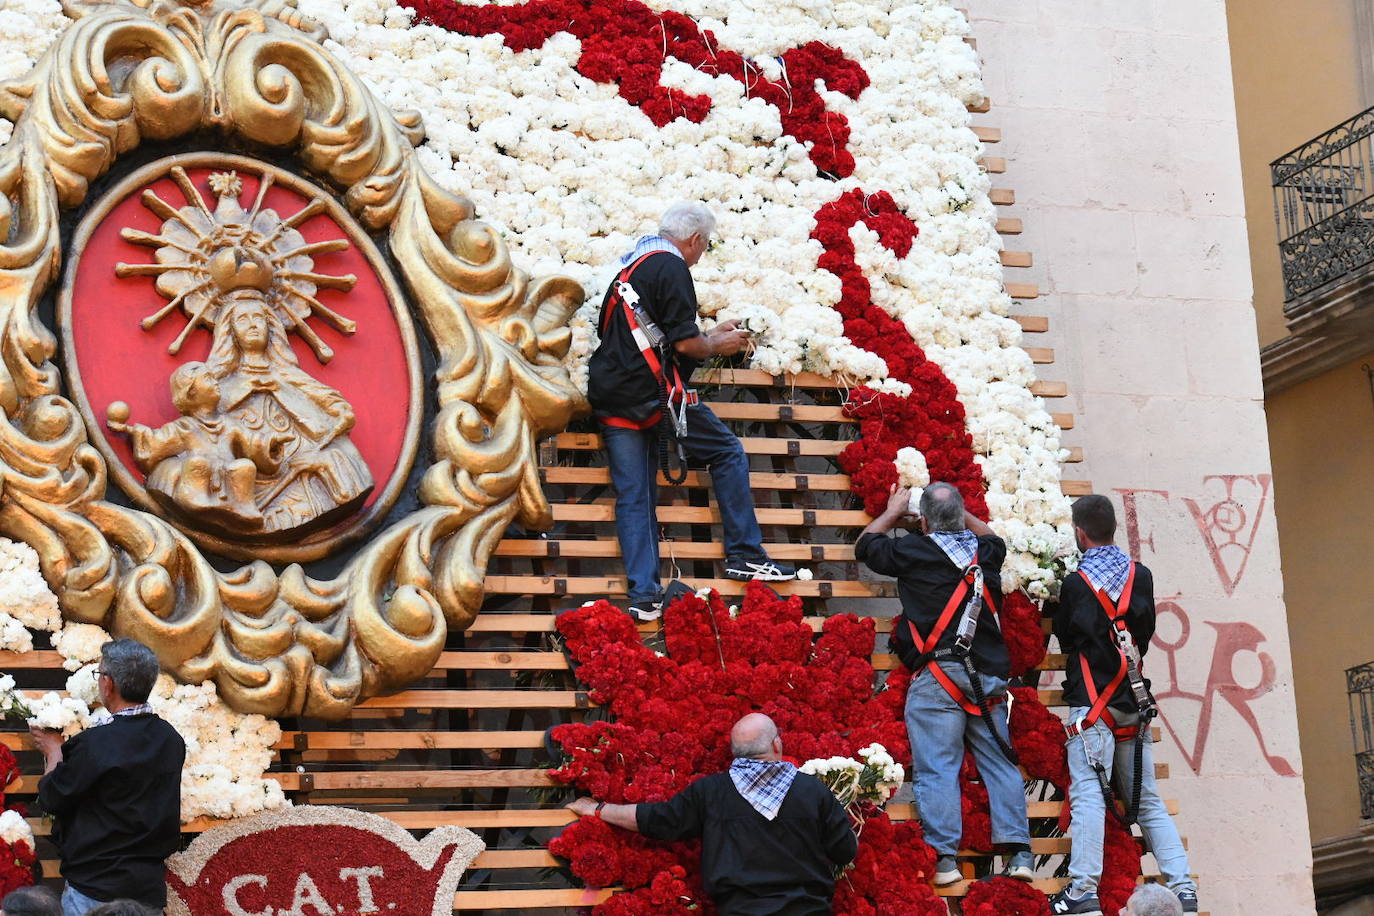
(645, 611)
(764, 570)
(1189, 901)
(1063, 904)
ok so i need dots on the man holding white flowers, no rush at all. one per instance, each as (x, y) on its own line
(772, 837)
(114, 790)
(650, 345)
(947, 572)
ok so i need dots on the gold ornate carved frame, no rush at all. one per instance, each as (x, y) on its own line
(278, 643)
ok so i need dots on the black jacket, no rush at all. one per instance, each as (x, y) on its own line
(752, 866)
(116, 798)
(620, 382)
(1084, 630)
(926, 579)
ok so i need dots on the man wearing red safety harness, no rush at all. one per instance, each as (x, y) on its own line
(637, 386)
(1104, 622)
(949, 581)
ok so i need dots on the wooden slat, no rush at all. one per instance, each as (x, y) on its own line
(597, 586)
(995, 165)
(1041, 356)
(528, 699)
(1002, 197)
(1023, 290)
(681, 550)
(752, 445)
(1032, 324)
(988, 134)
(1017, 259)
(1009, 225)
(702, 515)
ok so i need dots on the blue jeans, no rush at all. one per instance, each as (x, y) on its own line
(938, 728)
(1089, 811)
(633, 456)
(75, 903)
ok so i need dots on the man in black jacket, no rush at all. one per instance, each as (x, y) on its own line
(771, 837)
(115, 790)
(939, 572)
(637, 386)
(1104, 622)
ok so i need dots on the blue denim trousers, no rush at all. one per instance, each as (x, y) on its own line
(75, 903)
(1089, 811)
(939, 728)
(633, 457)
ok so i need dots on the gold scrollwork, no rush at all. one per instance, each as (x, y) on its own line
(275, 643)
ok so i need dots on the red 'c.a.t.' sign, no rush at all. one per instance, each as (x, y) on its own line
(319, 861)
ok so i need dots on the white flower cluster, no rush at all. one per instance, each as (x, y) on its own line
(24, 595)
(14, 828)
(226, 752)
(572, 174)
(872, 778)
(912, 472)
(890, 774)
(79, 644)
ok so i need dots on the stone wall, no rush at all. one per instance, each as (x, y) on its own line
(1120, 135)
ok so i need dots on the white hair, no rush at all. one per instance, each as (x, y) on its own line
(685, 219)
(1155, 900)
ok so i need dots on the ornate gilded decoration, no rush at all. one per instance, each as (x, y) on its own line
(278, 643)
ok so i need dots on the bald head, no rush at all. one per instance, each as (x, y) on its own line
(942, 507)
(755, 736)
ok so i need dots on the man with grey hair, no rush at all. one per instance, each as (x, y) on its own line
(1153, 900)
(949, 580)
(771, 837)
(114, 790)
(637, 386)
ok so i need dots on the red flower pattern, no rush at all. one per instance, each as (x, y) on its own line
(624, 44)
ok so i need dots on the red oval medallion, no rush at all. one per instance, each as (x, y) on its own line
(267, 360)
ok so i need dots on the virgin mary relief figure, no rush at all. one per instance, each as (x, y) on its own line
(262, 448)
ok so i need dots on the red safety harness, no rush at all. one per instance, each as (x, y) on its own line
(926, 647)
(1098, 710)
(671, 382)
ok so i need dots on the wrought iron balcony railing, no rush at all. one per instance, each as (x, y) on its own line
(1359, 687)
(1324, 206)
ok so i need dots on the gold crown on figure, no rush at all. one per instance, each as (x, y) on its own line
(237, 268)
(206, 255)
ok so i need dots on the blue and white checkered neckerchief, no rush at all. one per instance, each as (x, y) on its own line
(960, 546)
(140, 709)
(763, 783)
(648, 244)
(1107, 568)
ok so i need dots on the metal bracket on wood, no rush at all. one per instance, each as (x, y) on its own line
(560, 587)
(793, 448)
(827, 590)
(307, 782)
(808, 517)
(803, 483)
(581, 701)
(553, 550)
(817, 553)
(785, 412)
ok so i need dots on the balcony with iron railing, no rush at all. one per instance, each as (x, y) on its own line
(1324, 206)
(1324, 209)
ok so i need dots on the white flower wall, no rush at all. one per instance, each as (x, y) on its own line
(572, 173)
